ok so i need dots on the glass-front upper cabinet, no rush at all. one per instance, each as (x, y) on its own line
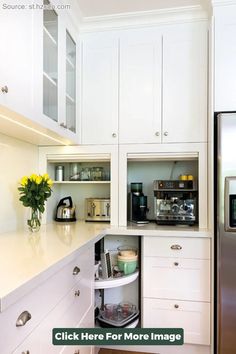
(70, 83)
(50, 62)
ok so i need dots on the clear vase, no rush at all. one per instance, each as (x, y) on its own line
(34, 222)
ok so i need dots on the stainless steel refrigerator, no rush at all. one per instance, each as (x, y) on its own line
(225, 232)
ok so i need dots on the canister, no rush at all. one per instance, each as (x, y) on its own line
(59, 173)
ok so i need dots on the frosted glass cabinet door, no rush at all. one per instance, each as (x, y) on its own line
(50, 62)
(70, 83)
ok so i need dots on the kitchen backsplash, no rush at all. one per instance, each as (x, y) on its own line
(17, 159)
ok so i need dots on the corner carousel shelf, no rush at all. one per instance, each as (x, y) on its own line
(115, 282)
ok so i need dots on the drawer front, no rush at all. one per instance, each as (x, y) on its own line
(67, 314)
(176, 278)
(193, 317)
(44, 298)
(197, 248)
(87, 322)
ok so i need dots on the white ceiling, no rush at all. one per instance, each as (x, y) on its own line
(91, 8)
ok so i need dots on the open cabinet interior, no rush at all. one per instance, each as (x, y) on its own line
(146, 171)
(81, 179)
(117, 294)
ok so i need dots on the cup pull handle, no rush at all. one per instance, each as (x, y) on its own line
(23, 318)
(176, 247)
(76, 271)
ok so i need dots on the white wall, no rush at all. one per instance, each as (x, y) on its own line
(17, 159)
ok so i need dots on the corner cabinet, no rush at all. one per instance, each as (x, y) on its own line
(149, 82)
(38, 65)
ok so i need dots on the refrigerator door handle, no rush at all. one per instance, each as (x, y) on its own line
(230, 204)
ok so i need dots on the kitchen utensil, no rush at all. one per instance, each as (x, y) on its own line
(65, 210)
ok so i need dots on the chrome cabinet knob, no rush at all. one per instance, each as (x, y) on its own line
(157, 133)
(4, 89)
(76, 271)
(77, 293)
(176, 247)
(27, 352)
(176, 264)
(24, 317)
(114, 135)
(165, 133)
(176, 306)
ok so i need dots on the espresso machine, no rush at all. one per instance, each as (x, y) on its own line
(137, 204)
(175, 202)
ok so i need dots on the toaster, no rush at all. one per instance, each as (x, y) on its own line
(97, 209)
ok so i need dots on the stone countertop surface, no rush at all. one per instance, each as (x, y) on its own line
(27, 259)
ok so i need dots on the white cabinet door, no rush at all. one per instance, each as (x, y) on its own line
(140, 86)
(176, 278)
(16, 56)
(100, 89)
(193, 317)
(225, 59)
(185, 83)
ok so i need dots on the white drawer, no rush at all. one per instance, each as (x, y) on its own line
(67, 314)
(43, 299)
(86, 322)
(176, 278)
(184, 247)
(193, 317)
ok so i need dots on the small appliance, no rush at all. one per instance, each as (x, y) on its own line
(137, 204)
(97, 209)
(65, 210)
(175, 202)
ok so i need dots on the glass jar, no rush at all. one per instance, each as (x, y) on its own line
(85, 174)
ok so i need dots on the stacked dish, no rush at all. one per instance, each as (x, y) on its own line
(127, 259)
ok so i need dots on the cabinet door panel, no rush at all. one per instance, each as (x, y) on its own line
(185, 279)
(185, 84)
(225, 58)
(193, 317)
(16, 56)
(100, 90)
(140, 87)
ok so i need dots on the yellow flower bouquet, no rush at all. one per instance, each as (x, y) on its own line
(34, 191)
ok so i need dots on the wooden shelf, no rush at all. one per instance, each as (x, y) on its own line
(81, 182)
(115, 282)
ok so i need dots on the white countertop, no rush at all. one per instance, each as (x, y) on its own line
(27, 259)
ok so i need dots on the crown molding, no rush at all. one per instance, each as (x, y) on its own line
(216, 3)
(144, 18)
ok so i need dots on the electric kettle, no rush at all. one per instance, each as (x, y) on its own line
(65, 210)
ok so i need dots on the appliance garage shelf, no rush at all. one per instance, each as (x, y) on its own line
(81, 182)
(115, 282)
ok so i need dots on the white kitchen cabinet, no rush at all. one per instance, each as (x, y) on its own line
(225, 57)
(193, 317)
(140, 86)
(56, 62)
(180, 295)
(34, 102)
(185, 83)
(61, 301)
(16, 57)
(100, 89)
